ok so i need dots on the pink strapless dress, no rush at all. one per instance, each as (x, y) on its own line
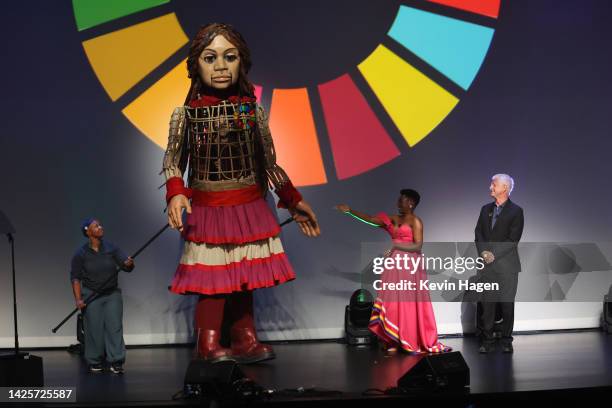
(405, 318)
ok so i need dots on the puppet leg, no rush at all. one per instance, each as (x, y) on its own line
(208, 320)
(246, 349)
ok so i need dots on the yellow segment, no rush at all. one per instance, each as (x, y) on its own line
(151, 111)
(414, 102)
(295, 137)
(122, 58)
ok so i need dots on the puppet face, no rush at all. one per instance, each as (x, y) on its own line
(219, 64)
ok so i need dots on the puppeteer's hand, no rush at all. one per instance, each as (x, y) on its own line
(306, 219)
(343, 208)
(175, 211)
(129, 263)
(80, 304)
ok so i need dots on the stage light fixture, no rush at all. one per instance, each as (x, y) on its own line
(357, 317)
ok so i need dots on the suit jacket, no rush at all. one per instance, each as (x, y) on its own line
(502, 240)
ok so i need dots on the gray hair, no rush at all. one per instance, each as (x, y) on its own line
(505, 179)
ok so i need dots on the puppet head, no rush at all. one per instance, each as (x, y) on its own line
(218, 63)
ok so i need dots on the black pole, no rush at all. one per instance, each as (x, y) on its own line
(19, 369)
(287, 221)
(153, 238)
(12, 242)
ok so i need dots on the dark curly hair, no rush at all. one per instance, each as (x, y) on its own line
(203, 38)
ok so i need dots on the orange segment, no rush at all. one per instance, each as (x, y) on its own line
(295, 137)
(151, 111)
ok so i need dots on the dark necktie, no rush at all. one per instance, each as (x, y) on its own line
(496, 212)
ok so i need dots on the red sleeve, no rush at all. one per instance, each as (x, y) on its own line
(176, 186)
(288, 196)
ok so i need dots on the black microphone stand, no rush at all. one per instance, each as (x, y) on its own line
(12, 242)
(17, 368)
(7, 228)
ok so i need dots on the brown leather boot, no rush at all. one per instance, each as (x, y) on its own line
(246, 349)
(209, 348)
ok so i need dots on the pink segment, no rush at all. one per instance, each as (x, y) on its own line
(258, 91)
(358, 140)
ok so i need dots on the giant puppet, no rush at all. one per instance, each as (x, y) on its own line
(221, 139)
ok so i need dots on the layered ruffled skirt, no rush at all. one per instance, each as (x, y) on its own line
(231, 248)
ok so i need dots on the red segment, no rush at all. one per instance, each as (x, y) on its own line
(488, 8)
(358, 140)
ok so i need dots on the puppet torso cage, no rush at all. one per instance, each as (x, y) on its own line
(222, 143)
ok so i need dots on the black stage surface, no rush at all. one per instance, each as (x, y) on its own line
(562, 367)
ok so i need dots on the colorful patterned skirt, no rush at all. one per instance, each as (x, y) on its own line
(232, 244)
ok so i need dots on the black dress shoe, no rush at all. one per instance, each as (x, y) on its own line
(507, 348)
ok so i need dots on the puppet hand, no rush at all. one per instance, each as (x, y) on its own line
(306, 219)
(175, 211)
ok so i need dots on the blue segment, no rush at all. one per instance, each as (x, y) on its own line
(455, 48)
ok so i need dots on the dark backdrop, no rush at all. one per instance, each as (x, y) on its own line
(539, 110)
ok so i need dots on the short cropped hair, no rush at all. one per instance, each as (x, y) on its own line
(505, 179)
(410, 193)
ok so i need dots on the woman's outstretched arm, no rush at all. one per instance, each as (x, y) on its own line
(368, 218)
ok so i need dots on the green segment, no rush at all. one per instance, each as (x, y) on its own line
(90, 13)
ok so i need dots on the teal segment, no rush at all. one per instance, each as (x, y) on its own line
(455, 48)
(90, 13)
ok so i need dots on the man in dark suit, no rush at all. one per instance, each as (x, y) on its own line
(498, 231)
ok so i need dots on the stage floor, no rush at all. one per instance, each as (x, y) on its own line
(541, 362)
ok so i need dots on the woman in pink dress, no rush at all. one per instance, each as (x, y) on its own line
(403, 318)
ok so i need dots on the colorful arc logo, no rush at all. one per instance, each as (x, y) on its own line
(415, 103)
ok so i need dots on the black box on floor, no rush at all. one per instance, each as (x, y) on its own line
(211, 379)
(23, 370)
(436, 372)
(606, 316)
